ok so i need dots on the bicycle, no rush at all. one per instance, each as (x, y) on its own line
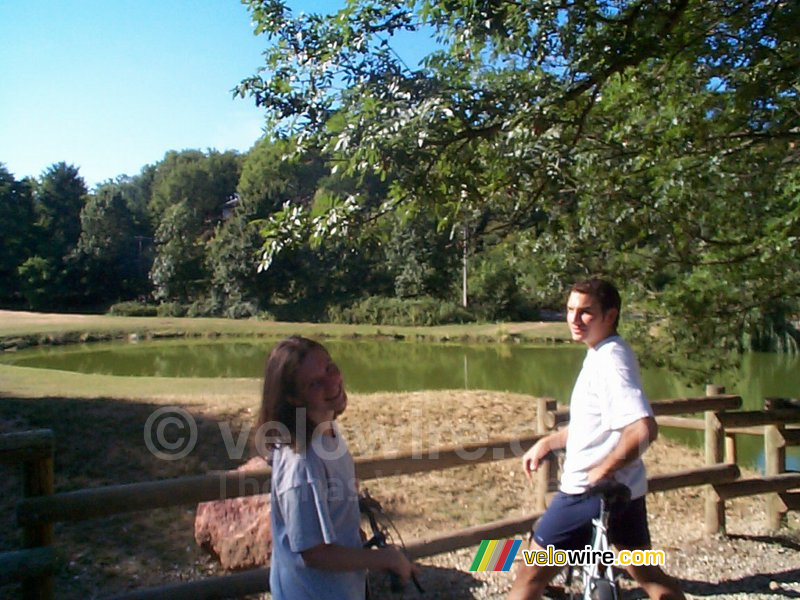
(381, 527)
(599, 581)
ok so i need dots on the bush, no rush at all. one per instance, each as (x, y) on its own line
(241, 310)
(133, 308)
(378, 310)
(171, 309)
(205, 307)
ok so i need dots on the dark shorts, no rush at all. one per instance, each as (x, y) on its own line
(567, 523)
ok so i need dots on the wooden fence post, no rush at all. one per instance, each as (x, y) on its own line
(775, 464)
(714, 450)
(34, 450)
(548, 470)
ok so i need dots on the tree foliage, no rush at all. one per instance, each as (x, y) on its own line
(17, 222)
(652, 142)
(189, 192)
(49, 275)
(114, 247)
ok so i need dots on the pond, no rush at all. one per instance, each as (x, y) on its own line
(375, 366)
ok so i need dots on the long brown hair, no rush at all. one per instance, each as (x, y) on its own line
(280, 398)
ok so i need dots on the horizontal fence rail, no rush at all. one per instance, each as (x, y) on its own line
(19, 565)
(762, 485)
(116, 499)
(672, 406)
(130, 497)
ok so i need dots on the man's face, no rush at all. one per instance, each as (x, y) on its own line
(587, 323)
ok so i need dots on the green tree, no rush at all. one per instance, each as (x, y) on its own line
(17, 222)
(190, 191)
(423, 260)
(178, 272)
(653, 142)
(60, 196)
(50, 277)
(112, 248)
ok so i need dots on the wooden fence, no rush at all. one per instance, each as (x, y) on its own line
(40, 507)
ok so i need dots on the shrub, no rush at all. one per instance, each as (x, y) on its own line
(133, 308)
(171, 309)
(378, 310)
(241, 310)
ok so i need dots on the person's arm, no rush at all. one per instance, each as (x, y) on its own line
(533, 457)
(634, 440)
(332, 557)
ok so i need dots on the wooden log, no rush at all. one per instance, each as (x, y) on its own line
(110, 500)
(752, 418)
(38, 482)
(26, 564)
(515, 525)
(791, 500)
(692, 423)
(35, 449)
(548, 470)
(115, 499)
(716, 474)
(696, 404)
(557, 417)
(758, 485)
(24, 446)
(252, 581)
(681, 422)
(443, 458)
(756, 430)
(714, 454)
(774, 464)
(730, 448)
(791, 436)
(674, 406)
(471, 536)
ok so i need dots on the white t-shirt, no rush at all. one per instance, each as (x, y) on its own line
(314, 501)
(607, 397)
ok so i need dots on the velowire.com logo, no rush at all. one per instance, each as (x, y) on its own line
(495, 555)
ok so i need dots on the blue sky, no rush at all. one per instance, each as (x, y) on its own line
(111, 85)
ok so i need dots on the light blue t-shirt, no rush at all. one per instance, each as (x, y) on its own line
(314, 501)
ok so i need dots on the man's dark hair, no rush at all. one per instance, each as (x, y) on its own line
(603, 291)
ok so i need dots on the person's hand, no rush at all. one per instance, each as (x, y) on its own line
(534, 457)
(596, 475)
(397, 562)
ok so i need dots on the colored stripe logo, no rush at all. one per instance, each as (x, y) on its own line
(495, 555)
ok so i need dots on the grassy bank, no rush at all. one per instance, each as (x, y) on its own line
(24, 328)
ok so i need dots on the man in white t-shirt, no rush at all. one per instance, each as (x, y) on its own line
(611, 425)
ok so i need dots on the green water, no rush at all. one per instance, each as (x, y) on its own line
(372, 366)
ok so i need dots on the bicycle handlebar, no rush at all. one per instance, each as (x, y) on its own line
(369, 506)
